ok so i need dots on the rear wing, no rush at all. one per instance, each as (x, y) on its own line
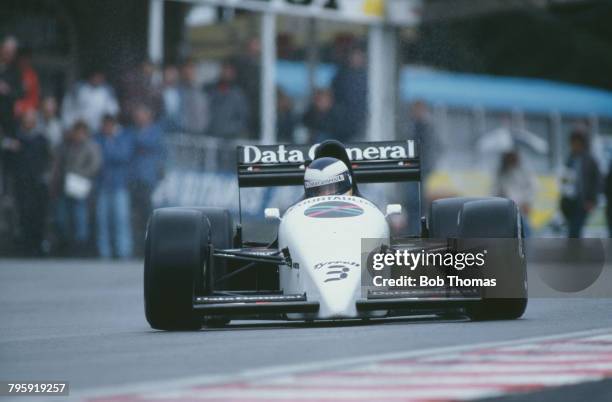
(283, 165)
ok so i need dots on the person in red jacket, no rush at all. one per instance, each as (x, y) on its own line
(31, 87)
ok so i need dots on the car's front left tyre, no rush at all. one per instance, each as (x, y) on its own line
(491, 224)
(176, 254)
(494, 225)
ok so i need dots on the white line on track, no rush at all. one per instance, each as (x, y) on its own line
(506, 378)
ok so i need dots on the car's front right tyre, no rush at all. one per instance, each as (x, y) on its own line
(176, 254)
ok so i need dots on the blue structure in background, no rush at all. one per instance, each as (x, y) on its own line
(468, 90)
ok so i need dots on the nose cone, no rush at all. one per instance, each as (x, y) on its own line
(338, 282)
(324, 235)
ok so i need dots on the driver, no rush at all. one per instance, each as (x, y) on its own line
(327, 176)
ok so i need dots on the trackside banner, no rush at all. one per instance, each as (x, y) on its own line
(366, 151)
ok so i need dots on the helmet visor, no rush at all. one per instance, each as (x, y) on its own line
(336, 185)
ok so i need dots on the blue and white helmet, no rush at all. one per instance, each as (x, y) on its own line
(327, 176)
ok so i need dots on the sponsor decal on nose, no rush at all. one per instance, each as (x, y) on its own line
(333, 209)
(336, 272)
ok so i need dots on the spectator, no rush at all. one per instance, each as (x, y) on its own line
(350, 89)
(10, 85)
(10, 91)
(50, 123)
(77, 163)
(139, 85)
(516, 182)
(229, 110)
(89, 101)
(30, 85)
(608, 194)
(171, 97)
(31, 159)
(193, 102)
(579, 183)
(113, 198)
(285, 118)
(420, 129)
(146, 169)
(323, 119)
(248, 77)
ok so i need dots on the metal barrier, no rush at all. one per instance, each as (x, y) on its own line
(201, 170)
(201, 153)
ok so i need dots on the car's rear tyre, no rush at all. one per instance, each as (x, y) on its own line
(481, 223)
(443, 219)
(176, 252)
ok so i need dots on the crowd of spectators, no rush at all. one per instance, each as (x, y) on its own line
(82, 174)
(82, 168)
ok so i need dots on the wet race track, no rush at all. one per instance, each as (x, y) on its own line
(83, 322)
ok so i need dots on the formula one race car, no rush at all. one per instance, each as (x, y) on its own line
(199, 271)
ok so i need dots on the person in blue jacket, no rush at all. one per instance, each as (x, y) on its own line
(113, 196)
(146, 169)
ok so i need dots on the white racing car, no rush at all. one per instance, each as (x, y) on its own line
(199, 271)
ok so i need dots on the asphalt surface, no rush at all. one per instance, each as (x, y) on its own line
(83, 321)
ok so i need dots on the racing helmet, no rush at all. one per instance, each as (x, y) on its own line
(327, 176)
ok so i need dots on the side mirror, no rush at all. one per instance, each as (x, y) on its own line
(272, 214)
(393, 209)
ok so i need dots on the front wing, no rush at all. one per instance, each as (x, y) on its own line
(275, 304)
